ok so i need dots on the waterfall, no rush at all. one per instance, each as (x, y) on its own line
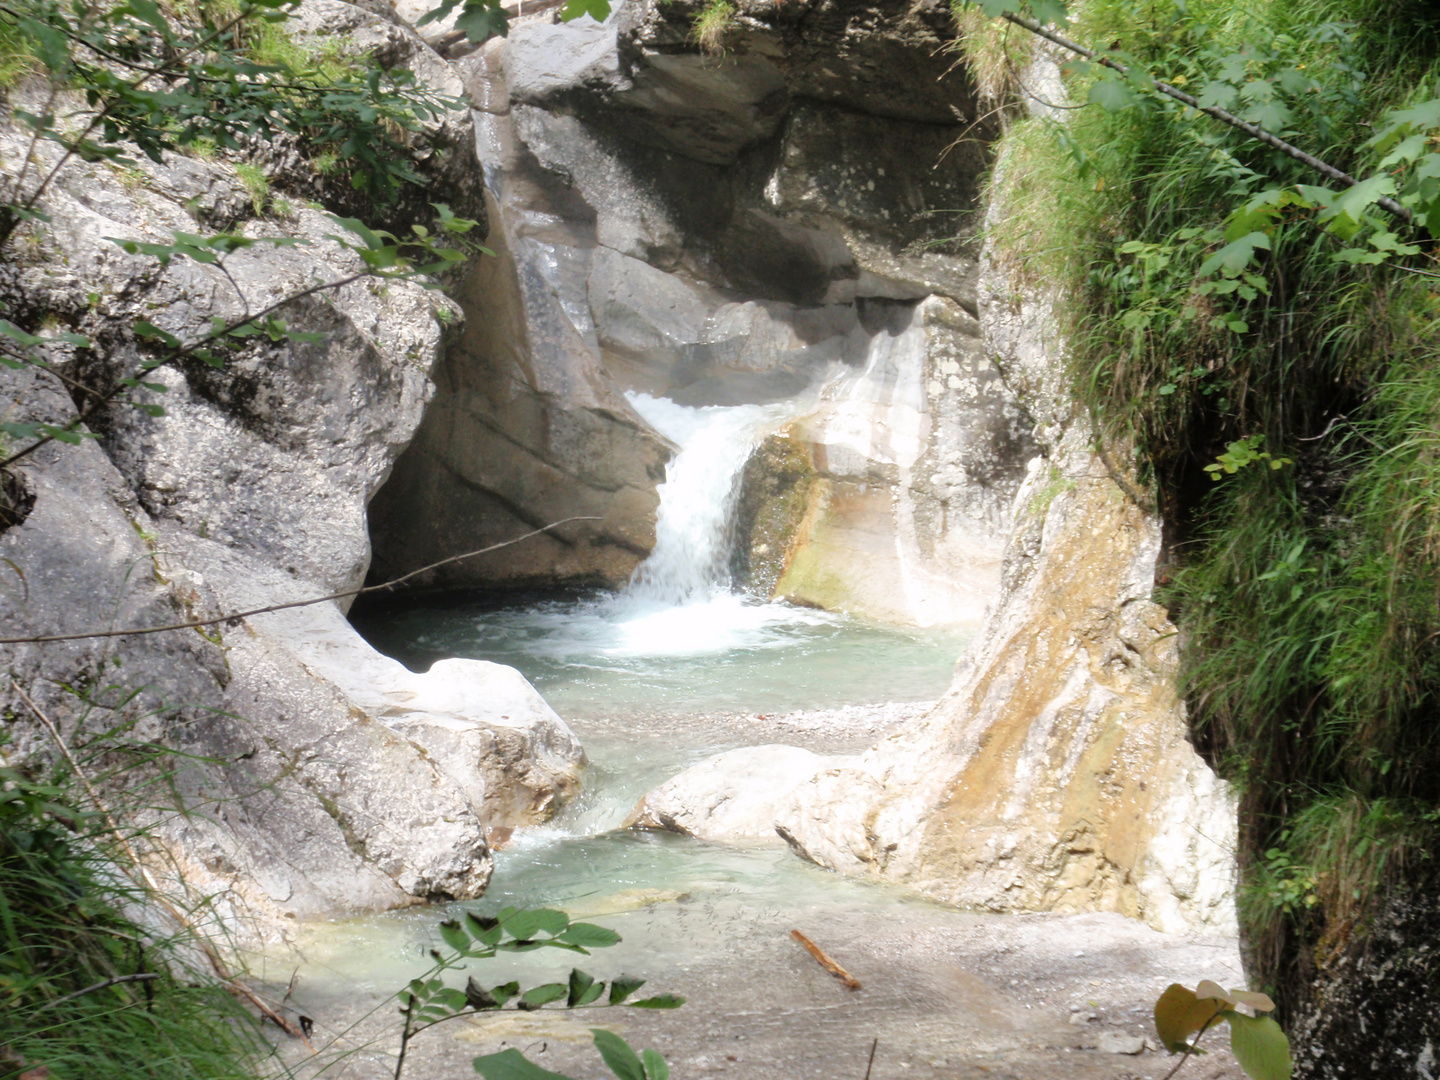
(695, 524)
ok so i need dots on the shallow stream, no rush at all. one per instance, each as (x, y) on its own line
(675, 669)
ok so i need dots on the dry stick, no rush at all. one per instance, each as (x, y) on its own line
(829, 965)
(193, 624)
(1255, 131)
(873, 1044)
(217, 962)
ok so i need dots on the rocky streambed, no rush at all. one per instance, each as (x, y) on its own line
(946, 993)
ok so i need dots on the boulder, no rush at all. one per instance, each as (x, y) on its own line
(732, 796)
(314, 775)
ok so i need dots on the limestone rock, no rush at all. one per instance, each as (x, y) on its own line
(1057, 774)
(731, 796)
(316, 774)
(718, 233)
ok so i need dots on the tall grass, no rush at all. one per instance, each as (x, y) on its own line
(95, 978)
(1308, 596)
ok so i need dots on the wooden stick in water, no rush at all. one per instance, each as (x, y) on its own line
(829, 965)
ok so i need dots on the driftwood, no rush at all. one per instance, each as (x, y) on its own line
(851, 983)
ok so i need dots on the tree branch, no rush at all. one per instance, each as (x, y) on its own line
(1255, 131)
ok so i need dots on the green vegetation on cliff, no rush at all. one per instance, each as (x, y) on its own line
(1270, 349)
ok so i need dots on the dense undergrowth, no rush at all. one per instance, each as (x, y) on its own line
(96, 980)
(1304, 376)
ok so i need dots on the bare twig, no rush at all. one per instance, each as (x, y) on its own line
(1255, 131)
(230, 617)
(851, 983)
(874, 1043)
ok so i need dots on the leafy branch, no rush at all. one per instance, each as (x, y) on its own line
(417, 258)
(427, 1001)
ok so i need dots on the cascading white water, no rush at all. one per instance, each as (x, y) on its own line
(694, 527)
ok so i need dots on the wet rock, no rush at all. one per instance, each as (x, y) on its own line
(731, 796)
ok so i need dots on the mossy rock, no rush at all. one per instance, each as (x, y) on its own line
(774, 493)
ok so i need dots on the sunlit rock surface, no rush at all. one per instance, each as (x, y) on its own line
(316, 774)
(1057, 775)
(731, 796)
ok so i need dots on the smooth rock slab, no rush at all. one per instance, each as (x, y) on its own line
(731, 796)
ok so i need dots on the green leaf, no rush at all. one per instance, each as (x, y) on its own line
(623, 987)
(537, 996)
(659, 1001)
(1112, 95)
(583, 989)
(655, 1067)
(589, 936)
(523, 925)
(477, 997)
(512, 1065)
(616, 1054)
(1048, 12)
(1236, 255)
(486, 931)
(1259, 1046)
(454, 936)
(599, 10)
(482, 20)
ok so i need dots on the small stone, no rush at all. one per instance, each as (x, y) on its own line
(1118, 1042)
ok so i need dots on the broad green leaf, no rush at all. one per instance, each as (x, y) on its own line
(525, 924)
(1346, 213)
(589, 936)
(435, 14)
(1235, 256)
(455, 936)
(477, 997)
(655, 1067)
(581, 984)
(623, 987)
(1259, 1046)
(482, 20)
(616, 1054)
(485, 931)
(1407, 151)
(1112, 95)
(1049, 12)
(1217, 95)
(512, 1065)
(599, 10)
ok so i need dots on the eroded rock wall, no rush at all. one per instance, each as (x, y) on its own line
(316, 774)
(723, 229)
(1057, 774)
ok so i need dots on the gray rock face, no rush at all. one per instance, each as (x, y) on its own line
(1057, 773)
(722, 232)
(317, 774)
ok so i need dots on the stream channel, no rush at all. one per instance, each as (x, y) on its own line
(676, 668)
